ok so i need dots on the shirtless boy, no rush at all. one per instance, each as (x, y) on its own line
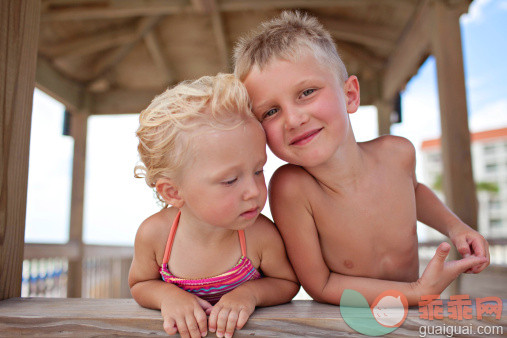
(347, 211)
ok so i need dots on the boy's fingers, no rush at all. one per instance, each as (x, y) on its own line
(182, 327)
(467, 263)
(170, 326)
(222, 321)
(193, 328)
(212, 321)
(242, 319)
(463, 249)
(206, 306)
(442, 252)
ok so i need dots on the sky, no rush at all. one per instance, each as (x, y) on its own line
(116, 203)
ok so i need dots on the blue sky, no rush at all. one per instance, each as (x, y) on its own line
(116, 203)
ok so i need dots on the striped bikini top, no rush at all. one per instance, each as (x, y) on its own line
(210, 289)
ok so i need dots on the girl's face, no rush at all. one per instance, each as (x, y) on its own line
(223, 185)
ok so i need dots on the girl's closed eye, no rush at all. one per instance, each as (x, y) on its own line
(230, 182)
(259, 172)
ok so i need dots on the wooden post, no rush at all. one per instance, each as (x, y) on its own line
(19, 34)
(78, 130)
(384, 110)
(458, 181)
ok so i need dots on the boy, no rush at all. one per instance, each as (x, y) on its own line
(347, 211)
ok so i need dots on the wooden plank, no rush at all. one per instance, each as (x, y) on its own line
(19, 33)
(153, 45)
(241, 5)
(123, 317)
(458, 183)
(384, 110)
(123, 101)
(412, 49)
(50, 81)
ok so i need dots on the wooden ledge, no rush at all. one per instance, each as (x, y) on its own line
(123, 317)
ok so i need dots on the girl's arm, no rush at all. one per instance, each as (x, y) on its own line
(277, 286)
(182, 312)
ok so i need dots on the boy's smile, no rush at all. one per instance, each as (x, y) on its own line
(302, 107)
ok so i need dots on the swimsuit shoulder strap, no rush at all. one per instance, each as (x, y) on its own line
(242, 242)
(170, 239)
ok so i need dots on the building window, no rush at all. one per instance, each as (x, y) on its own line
(489, 149)
(491, 168)
(495, 223)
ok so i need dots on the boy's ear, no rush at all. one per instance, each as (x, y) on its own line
(168, 190)
(352, 95)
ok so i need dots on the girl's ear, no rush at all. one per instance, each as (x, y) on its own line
(352, 96)
(168, 190)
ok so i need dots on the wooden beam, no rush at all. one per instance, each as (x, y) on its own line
(89, 44)
(361, 33)
(53, 83)
(111, 9)
(235, 5)
(458, 183)
(19, 31)
(158, 57)
(365, 56)
(384, 111)
(123, 101)
(67, 10)
(144, 26)
(412, 49)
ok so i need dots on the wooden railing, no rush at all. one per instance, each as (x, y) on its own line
(105, 270)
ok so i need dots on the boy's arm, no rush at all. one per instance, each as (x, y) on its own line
(277, 286)
(182, 312)
(294, 220)
(432, 212)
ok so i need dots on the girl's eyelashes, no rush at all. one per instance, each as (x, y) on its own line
(229, 182)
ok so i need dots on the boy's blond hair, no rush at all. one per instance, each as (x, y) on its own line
(166, 126)
(287, 37)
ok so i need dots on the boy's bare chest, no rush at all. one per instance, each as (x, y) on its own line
(369, 232)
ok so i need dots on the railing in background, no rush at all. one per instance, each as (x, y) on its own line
(105, 270)
(106, 267)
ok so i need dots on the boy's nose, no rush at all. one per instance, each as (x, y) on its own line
(295, 117)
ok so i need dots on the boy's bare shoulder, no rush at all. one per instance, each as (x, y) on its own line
(389, 148)
(290, 179)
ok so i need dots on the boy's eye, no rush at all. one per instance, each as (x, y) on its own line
(259, 172)
(307, 92)
(229, 182)
(270, 112)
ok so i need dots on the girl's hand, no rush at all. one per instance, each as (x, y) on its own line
(469, 242)
(439, 274)
(231, 312)
(185, 313)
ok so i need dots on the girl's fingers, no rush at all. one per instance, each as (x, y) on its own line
(193, 328)
(242, 319)
(231, 324)
(222, 321)
(202, 321)
(170, 326)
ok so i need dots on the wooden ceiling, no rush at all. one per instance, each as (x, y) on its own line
(113, 56)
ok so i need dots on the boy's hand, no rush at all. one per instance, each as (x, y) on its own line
(439, 274)
(231, 312)
(469, 242)
(186, 314)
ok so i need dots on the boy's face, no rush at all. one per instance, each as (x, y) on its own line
(224, 184)
(303, 109)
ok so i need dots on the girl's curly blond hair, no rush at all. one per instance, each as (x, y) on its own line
(166, 126)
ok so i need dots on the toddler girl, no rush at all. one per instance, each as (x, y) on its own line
(211, 252)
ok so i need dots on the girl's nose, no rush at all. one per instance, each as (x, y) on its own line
(252, 189)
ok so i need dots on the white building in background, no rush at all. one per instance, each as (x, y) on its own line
(489, 162)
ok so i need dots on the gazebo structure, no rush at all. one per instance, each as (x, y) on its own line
(113, 57)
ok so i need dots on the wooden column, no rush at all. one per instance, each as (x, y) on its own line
(19, 33)
(78, 130)
(458, 182)
(384, 110)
